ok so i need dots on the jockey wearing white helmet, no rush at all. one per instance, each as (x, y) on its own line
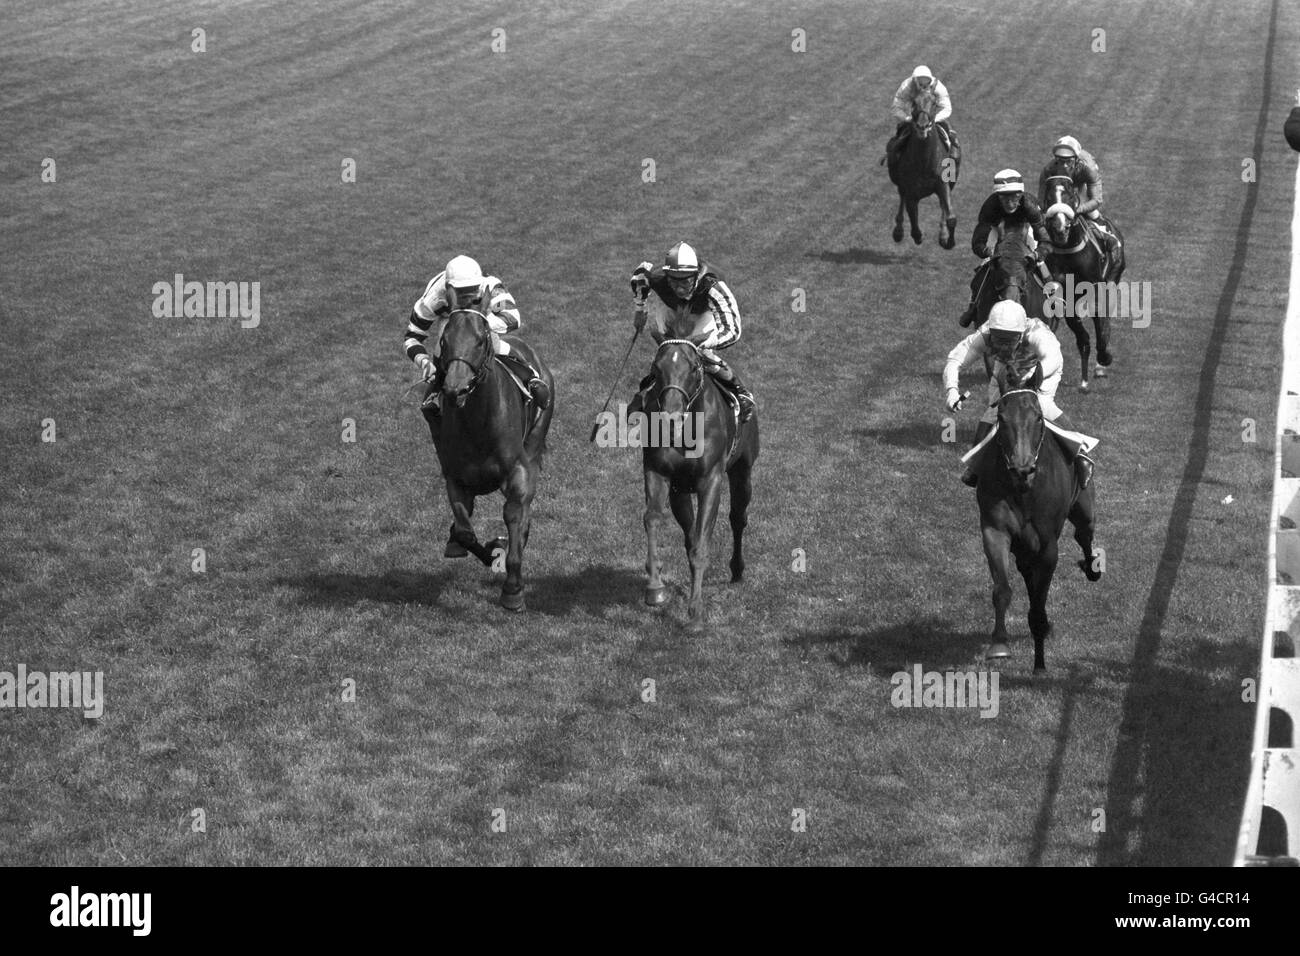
(691, 299)
(1018, 343)
(462, 285)
(904, 102)
(1071, 159)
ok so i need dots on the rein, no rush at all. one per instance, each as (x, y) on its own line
(1033, 462)
(691, 397)
(479, 370)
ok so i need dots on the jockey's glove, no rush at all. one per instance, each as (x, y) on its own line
(952, 399)
(425, 365)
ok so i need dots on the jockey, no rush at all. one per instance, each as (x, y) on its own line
(905, 100)
(1007, 207)
(1014, 340)
(685, 287)
(1071, 159)
(462, 285)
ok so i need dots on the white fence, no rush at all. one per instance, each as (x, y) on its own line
(1270, 824)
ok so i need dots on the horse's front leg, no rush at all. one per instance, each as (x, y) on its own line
(1082, 516)
(656, 503)
(462, 527)
(948, 222)
(898, 219)
(997, 549)
(1101, 323)
(1037, 571)
(518, 513)
(710, 494)
(913, 213)
(1084, 344)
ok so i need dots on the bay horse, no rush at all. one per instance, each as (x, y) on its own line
(924, 168)
(1026, 491)
(489, 438)
(1075, 251)
(1011, 275)
(691, 478)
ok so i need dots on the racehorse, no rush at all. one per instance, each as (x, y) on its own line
(1010, 277)
(924, 168)
(1026, 491)
(489, 437)
(691, 478)
(1075, 250)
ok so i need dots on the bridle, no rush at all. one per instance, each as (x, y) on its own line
(479, 370)
(1061, 195)
(1006, 458)
(692, 396)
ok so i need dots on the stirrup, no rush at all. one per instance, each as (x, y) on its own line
(540, 392)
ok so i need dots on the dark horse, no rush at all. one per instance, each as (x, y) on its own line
(1026, 490)
(1075, 251)
(489, 438)
(1011, 275)
(680, 471)
(924, 168)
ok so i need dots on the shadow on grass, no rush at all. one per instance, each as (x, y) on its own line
(591, 589)
(392, 587)
(930, 642)
(858, 256)
(924, 435)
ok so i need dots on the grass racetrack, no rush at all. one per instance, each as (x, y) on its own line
(224, 689)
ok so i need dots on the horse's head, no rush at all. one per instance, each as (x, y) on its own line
(923, 109)
(678, 373)
(1020, 423)
(464, 353)
(1011, 264)
(1060, 200)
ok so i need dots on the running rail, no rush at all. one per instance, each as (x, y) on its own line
(1270, 823)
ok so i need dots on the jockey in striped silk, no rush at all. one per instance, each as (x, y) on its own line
(462, 285)
(691, 299)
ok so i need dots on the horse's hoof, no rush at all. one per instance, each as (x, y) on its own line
(1100, 372)
(1040, 671)
(898, 234)
(454, 549)
(513, 602)
(1083, 386)
(916, 238)
(997, 652)
(1088, 571)
(656, 597)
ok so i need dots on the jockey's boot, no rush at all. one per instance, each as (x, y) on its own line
(953, 146)
(536, 387)
(728, 379)
(968, 476)
(1083, 466)
(976, 284)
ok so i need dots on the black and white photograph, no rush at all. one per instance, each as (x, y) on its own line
(591, 433)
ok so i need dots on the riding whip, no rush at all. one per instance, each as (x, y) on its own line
(596, 427)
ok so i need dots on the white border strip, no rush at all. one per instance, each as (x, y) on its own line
(1279, 678)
